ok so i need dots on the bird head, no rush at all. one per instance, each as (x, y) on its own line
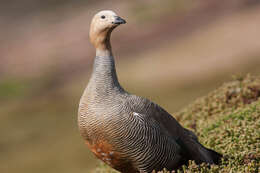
(102, 25)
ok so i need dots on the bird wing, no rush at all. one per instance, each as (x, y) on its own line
(148, 144)
(153, 112)
(185, 138)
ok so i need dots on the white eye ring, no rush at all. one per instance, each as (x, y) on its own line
(103, 17)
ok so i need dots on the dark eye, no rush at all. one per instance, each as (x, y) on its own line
(103, 17)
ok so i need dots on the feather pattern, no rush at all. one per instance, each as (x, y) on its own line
(128, 132)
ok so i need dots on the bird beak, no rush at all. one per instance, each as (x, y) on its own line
(119, 20)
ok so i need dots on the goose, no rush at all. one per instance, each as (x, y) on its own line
(130, 133)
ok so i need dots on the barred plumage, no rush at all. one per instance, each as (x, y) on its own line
(130, 133)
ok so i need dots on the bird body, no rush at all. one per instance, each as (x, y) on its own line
(128, 132)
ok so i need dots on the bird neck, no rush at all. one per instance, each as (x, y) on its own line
(104, 78)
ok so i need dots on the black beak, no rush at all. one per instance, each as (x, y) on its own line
(119, 20)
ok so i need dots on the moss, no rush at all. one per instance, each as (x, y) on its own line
(228, 121)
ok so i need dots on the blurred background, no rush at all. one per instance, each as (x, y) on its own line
(170, 51)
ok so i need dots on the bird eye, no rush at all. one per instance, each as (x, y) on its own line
(103, 17)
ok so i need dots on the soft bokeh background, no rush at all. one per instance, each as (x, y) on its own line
(170, 51)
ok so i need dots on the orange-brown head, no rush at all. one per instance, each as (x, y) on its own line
(101, 27)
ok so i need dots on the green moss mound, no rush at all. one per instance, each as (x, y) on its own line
(228, 121)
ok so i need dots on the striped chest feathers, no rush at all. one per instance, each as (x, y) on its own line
(97, 117)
